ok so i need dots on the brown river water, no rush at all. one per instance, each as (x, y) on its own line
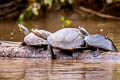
(34, 69)
(37, 69)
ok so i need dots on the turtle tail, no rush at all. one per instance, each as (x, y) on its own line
(114, 48)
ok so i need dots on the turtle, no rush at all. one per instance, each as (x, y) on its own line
(70, 39)
(98, 42)
(67, 39)
(31, 39)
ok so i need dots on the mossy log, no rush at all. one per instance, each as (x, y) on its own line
(16, 50)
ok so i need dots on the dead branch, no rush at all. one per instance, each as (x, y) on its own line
(97, 13)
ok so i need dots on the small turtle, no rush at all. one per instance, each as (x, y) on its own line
(31, 39)
(66, 39)
(98, 42)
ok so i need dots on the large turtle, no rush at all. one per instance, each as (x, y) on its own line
(66, 38)
(98, 41)
(31, 39)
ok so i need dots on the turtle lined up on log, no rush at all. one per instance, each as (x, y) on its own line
(10, 49)
(73, 38)
(70, 39)
(98, 41)
(31, 39)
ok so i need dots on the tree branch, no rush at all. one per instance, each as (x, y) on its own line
(97, 13)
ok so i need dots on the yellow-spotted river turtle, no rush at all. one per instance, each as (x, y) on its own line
(67, 39)
(31, 39)
(98, 41)
(73, 38)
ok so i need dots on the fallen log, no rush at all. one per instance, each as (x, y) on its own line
(16, 50)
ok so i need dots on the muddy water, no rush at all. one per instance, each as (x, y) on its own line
(31, 69)
(21, 69)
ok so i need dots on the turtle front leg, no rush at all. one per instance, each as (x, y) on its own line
(96, 53)
(50, 48)
(22, 44)
(75, 54)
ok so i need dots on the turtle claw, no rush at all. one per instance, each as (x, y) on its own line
(75, 54)
(52, 52)
(23, 44)
(41, 49)
(96, 53)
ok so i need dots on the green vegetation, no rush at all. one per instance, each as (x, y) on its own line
(103, 6)
(65, 22)
(49, 3)
(35, 6)
(30, 12)
(112, 1)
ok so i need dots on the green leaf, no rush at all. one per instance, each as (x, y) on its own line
(70, 1)
(68, 22)
(109, 1)
(21, 19)
(62, 18)
(30, 15)
(35, 11)
(62, 1)
(48, 2)
(29, 8)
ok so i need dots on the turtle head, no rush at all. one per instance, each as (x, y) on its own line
(41, 33)
(23, 29)
(83, 31)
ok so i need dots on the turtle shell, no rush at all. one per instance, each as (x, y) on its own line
(67, 38)
(32, 40)
(100, 41)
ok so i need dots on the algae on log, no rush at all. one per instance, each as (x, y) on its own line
(15, 49)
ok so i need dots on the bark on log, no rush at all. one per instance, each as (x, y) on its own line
(15, 49)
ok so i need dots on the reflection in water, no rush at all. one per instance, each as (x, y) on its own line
(30, 69)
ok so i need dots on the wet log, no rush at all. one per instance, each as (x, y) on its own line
(16, 50)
